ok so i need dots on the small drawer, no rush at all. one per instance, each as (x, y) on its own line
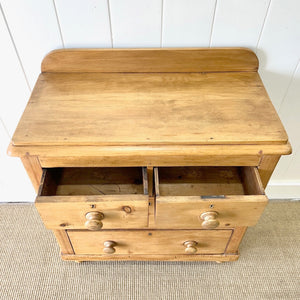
(110, 242)
(208, 197)
(93, 198)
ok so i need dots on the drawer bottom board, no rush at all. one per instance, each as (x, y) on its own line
(149, 242)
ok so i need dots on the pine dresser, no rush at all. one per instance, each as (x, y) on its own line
(150, 154)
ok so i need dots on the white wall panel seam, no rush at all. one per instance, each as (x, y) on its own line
(296, 151)
(295, 161)
(35, 31)
(110, 24)
(278, 48)
(5, 129)
(15, 47)
(162, 23)
(58, 24)
(263, 25)
(212, 23)
(136, 23)
(289, 85)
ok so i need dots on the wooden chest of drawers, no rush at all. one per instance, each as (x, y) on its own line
(150, 154)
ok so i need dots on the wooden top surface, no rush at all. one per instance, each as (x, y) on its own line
(139, 109)
(160, 108)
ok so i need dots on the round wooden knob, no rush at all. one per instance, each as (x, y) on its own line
(210, 220)
(94, 220)
(190, 247)
(109, 247)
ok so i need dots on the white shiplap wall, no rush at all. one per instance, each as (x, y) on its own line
(30, 29)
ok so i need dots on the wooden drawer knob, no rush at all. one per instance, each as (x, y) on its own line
(190, 247)
(94, 220)
(210, 220)
(109, 247)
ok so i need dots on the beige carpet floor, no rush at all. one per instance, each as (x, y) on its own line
(269, 266)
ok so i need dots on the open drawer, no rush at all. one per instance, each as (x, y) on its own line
(208, 197)
(93, 198)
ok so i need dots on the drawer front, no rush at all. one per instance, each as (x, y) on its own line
(200, 201)
(151, 242)
(93, 198)
(194, 212)
(124, 211)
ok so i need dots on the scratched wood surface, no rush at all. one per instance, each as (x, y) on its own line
(142, 109)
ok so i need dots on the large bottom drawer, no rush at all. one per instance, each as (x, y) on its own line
(151, 242)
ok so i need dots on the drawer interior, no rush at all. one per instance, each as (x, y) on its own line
(94, 181)
(207, 181)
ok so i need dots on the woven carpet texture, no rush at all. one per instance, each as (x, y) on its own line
(30, 266)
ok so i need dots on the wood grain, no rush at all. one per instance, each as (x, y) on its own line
(152, 212)
(93, 181)
(183, 194)
(194, 181)
(63, 241)
(235, 240)
(150, 241)
(150, 181)
(185, 211)
(33, 169)
(266, 167)
(160, 108)
(251, 181)
(151, 60)
(156, 257)
(239, 155)
(150, 108)
(146, 182)
(68, 212)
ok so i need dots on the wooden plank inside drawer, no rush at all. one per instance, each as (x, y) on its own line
(152, 242)
(66, 195)
(233, 196)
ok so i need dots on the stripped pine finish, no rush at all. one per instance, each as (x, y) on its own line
(237, 99)
(157, 257)
(66, 196)
(173, 24)
(150, 242)
(150, 60)
(150, 154)
(184, 194)
(33, 169)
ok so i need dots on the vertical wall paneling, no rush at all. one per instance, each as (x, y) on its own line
(35, 31)
(279, 47)
(238, 22)
(136, 23)
(84, 23)
(293, 172)
(187, 23)
(289, 114)
(14, 91)
(34, 27)
(15, 185)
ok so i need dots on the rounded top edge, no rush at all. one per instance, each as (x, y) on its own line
(177, 59)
